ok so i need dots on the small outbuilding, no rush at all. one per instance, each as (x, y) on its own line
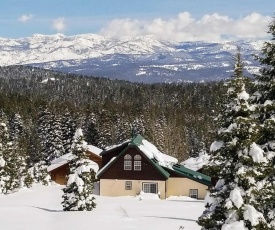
(59, 168)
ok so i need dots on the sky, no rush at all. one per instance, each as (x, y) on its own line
(179, 20)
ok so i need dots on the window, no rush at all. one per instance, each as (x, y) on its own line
(137, 163)
(193, 193)
(150, 187)
(128, 185)
(127, 162)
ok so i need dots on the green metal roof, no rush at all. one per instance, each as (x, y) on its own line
(191, 174)
(137, 140)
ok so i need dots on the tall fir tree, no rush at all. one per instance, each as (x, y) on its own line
(13, 171)
(238, 163)
(264, 97)
(50, 134)
(106, 129)
(39, 169)
(15, 127)
(92, 133)
(55, 143)
(138, 126)
(78, 194)
(68, 128)
(43, 132)
(122, 128)
(3, 143)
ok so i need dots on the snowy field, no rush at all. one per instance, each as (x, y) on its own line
(39, 208)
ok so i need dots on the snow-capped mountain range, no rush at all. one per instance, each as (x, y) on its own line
(140, 59)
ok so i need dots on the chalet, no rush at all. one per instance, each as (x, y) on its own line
(59, 167)
(137, 165)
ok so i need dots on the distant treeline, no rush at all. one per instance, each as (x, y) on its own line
(177, 117)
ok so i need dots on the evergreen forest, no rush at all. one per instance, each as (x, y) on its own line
(43, 108)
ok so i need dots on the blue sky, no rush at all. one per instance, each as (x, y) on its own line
(182, 18)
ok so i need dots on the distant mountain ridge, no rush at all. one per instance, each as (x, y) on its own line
(145, 59)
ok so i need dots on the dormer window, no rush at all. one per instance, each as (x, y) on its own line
(137, 163)
(127, 162)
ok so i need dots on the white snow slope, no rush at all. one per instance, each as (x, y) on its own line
(40, 208)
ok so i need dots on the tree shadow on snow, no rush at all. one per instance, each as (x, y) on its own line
(172, 218)
(46, 209)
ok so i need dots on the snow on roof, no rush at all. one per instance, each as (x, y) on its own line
(196, 163)
(94, 149)
(56, 163)
(116, 146)
(151, 152)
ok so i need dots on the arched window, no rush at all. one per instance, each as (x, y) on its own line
(137, 158)
(137, 163)
(127, 162)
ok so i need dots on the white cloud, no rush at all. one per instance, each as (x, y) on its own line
(59, 24)
(212, 27)
(25, 18)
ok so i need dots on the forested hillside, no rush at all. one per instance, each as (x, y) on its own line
(43, 109)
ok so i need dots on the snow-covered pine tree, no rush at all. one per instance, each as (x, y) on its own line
(78, 194)
(138, 126)
(160, 128)
(68, 126)
(54, 145)
(50, 134)
(39, 168)
(92, 133)
(15, 127)
(39, 173)
(3, 141)
(12, 162)
(238, 162)
(122, 128)
(43, 132)
(264, 98)
(106, 136)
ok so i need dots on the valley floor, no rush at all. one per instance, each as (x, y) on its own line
(39, 208)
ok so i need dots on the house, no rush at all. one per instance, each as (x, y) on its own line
(137, 165)
(59, 168)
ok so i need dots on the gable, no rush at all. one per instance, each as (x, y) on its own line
(150, 169)
(112, 152)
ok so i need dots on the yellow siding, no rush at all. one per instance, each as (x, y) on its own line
(181, 187)
(117, 187)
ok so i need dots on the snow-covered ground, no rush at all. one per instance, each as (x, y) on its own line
(39, 208)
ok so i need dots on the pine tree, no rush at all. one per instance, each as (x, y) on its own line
(138, 126)
(105, 127)
(15, 127)
(50, 134)
(54, 145)
(3, 141)
(78, 192)
(68, 128)
(264, 97)
(238, 162)
(13, 162)
(92, 133)
(43, 131)
(39, 174)
(122, 128)
(161, 130)
(39, 169)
